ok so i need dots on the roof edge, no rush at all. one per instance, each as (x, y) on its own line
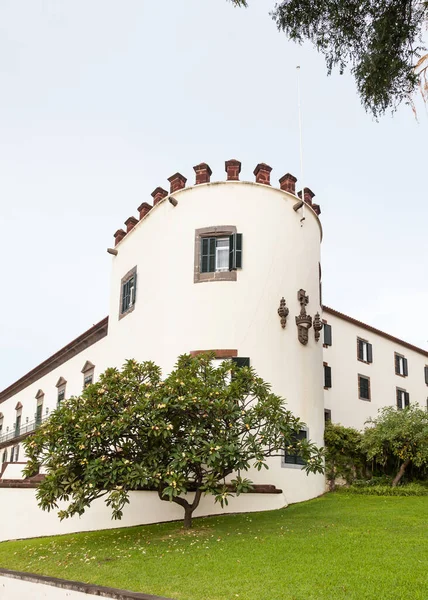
(83, 341)
(387, 336)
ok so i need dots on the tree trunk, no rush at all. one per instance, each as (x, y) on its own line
(400, 472)
(188, 508)
(188, 517)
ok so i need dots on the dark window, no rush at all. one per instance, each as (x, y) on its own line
(401, 365)
(365, 351)
(88, 379)
(327, 376)
(363, 387)
(12, 454)
(17, 425)
(39, 414)
(128, 293)
(61, 395)
(327, 415)
(4, 458)
(295, 459)
(403, 399)
(327, 335)
(241, 361)
(426, 374)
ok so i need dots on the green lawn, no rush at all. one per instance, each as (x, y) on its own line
(337, 546)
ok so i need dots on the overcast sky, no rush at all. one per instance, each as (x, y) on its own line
(101, 101)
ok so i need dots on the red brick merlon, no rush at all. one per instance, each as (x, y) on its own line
(203, 173)
(262, 173)
(233, 168)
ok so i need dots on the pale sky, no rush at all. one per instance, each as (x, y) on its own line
(101, 101)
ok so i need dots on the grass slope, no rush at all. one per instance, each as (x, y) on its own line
(334, 547)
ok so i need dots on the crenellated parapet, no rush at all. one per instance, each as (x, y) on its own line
(203, 172)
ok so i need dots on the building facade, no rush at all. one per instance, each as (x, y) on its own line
(234, 268)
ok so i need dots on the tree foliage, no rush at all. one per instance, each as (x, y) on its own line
(401, 434)
(182, 436)
(343, 455)
(379, 40)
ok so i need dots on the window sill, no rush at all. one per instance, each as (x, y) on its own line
(327, 388)
(366, 362)
(127, 312)
(365, 399)
(400, 375)
(215, 276)
(291, 466)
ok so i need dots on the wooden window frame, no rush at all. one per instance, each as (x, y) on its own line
(131, 274)
(405, 365)
(367, 343)
(326, 387)
(369, 399)
(403, 399)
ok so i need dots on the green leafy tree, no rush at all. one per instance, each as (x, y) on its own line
(401, 434)
(180, 436)
(380, 40)
(343, 455)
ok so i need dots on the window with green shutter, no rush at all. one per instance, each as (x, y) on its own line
(426, 374)
(364, 387)
(291, 458)
(327, 334)
(401, 367)
(39, 414)
(403, 398)
(128, 292)
(327, 376)
(365, 351)
(241, 361)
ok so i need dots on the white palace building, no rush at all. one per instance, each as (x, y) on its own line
(240, 275)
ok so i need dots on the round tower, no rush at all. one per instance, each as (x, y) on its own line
(230, 266)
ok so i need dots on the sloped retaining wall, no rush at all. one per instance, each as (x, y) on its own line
(16, 586)
(26, 520)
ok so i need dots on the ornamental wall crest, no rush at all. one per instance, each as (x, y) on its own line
(318, 325)
(283, 312)
(303, 321)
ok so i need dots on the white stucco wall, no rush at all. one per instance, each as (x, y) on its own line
(342, 399)
(26, 520)
(174, 315)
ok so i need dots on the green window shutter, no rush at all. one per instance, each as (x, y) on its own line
(327, 376)
(406, 399)
(369, 353)
(235, 251)
(241, 361)
(204, 255)
(327, 335)
(364, 386)
(406, 370)
(399, 400)
(294, 459)
(134, 289)
(208, 255)
(17, 454)
(426, 375)
(397, 364)
(360, 350)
